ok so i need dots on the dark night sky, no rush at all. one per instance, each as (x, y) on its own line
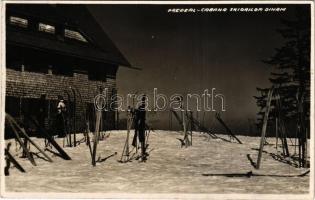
(188, 52)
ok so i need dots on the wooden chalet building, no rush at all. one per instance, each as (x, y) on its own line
(56, 50)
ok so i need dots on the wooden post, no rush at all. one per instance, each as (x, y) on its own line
(192, 128)
(125, 151)
(203, 118)
(203, 129)
(25, 144)
(277, 133)
(186, 138)
(48, 120)
(67, 125)
(74, 117)
(306, 136)
(117, 119)
(184, 122)
(68, 134)
(217, 115)
(264, 128)
(170, 120)
(96, 135)
(128, 132)
(88, 141)
(177, 117)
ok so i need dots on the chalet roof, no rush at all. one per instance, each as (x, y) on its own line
(100, 47)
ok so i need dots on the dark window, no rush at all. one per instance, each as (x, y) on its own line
(18, 21)
(35, 106)
(62, 70)
(12, 106)
(36, 68)
(97, 75)
(16, 65)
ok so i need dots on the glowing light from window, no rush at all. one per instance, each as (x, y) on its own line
(18, 21)
(46, 28)
(74, 35)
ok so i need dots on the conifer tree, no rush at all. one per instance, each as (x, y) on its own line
(291, 76)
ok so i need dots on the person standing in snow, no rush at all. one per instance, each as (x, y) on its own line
(61, 117)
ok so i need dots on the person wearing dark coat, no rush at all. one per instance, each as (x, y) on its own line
(139, 125)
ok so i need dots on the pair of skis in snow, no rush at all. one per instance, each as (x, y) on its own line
(18, 131)
(125, 156)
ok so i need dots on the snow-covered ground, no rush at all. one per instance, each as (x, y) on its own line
(209, 166)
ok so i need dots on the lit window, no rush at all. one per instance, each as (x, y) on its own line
(74, 35)
(18, 21)
(46, 28)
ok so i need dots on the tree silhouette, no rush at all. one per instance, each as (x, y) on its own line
(291, 78)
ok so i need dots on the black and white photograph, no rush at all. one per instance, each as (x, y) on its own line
(157, 99)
